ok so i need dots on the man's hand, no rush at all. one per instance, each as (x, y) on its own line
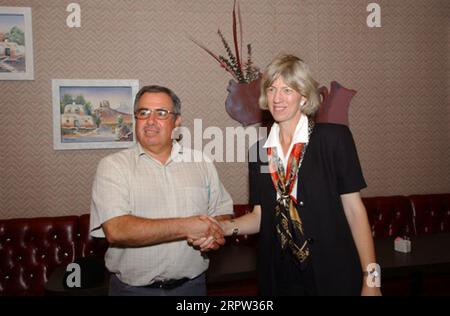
(206, 244)
(205, 233)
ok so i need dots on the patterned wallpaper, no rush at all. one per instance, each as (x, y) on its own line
(400, 116)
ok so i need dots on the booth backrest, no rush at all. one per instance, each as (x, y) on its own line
(431, 212)
(389, 216)
(89, 246)
(30, 249)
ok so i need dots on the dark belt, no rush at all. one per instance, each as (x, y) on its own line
(168, 284)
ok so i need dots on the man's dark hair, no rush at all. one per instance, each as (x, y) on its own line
(159, 89)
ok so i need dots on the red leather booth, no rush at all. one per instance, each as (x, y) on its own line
(389, 216)
(31, 248)
(431, 213)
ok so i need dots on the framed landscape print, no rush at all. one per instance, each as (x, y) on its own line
(16, 44)
(89, 114)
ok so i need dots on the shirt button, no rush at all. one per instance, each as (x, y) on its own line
(301, 203)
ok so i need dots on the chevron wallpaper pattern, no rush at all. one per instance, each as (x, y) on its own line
(400, 117)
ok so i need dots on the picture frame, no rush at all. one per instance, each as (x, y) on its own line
(16, 44)
(93, 114)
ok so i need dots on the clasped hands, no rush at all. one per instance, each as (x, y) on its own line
(205, 233)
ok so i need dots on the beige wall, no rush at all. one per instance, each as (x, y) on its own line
(400, 116)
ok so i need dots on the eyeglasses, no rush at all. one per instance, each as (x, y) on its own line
(161, 114)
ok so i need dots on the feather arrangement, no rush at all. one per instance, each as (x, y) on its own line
(242, 72)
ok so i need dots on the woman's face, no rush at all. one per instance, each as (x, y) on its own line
(284, 102)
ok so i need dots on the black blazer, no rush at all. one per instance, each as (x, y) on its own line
(330, 168)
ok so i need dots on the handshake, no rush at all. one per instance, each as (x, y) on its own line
(205, 233)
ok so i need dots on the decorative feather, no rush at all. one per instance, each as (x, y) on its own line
(240, 27)
(233, 61)
(217, 58)
(235, 40)
(242, 71)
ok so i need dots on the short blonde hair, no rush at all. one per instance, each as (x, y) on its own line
(297, 75)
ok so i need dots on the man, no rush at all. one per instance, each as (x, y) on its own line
(149, 200)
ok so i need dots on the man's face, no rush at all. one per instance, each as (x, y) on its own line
(153, 133)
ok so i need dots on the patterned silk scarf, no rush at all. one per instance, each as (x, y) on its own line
(288, 223)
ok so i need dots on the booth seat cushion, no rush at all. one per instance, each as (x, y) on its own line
(431, 212)
(389, 216)
(31, 248)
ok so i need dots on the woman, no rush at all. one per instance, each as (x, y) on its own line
(314, 234)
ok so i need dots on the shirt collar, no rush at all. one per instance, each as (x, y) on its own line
(177, 150)
(300, 134)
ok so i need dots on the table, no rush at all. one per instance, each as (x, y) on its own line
(429, 253)
(55, 284)
(232, 263)
(237, 262)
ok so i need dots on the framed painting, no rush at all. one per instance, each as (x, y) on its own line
(16, 44)
(92, 114)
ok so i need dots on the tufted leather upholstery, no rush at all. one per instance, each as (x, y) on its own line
(431, 212)
(432, 215)
(389, 216)
(89, 246)
(30, 249)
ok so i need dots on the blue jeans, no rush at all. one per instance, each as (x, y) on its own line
(194, 287)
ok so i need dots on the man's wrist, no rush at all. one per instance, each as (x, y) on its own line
(234, 228)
